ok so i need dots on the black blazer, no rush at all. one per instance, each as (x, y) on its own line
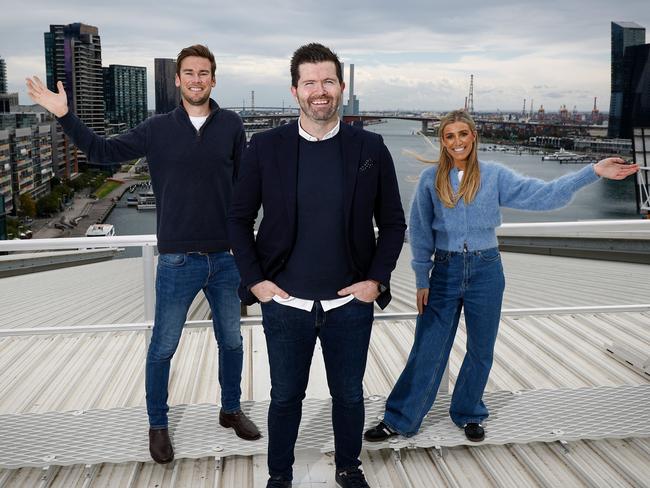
(268, 178)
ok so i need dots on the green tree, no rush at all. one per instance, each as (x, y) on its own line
(49, 204)
(27, 205)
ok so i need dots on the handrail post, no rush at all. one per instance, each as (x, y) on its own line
(149, 291)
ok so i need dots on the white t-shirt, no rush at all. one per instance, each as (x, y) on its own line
(460, 175)
(198, 121)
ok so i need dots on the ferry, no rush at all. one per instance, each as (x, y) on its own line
(564, 156)
(100, 230)
(146, 201)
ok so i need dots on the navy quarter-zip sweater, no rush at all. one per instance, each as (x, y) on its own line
(192, 172)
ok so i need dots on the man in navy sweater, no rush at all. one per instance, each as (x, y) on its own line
(193, 154)
(316, 266)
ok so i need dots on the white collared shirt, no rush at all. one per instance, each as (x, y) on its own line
(306, 135)
(302, 303)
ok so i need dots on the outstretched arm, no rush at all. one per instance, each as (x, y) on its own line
(517, 191)
(124, 147)
(57, 103)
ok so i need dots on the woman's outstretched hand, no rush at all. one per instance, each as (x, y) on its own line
(615, 168)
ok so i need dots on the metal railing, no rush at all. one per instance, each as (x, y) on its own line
(148, 242)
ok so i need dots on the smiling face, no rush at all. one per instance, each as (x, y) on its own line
(458, 139)
(318, 92)
(195, 80)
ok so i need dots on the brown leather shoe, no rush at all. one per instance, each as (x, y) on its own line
(160, 446)
(244, 427)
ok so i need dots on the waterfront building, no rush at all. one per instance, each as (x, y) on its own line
(6, 193)
(168, 96)
(125, 94)
(603, 146)
(73, 55)
(624, 35)
(636, 89)
(3, 76)
(27, 161)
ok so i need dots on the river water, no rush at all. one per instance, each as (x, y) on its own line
(603, 200)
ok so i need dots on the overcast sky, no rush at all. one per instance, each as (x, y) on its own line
(407, 54)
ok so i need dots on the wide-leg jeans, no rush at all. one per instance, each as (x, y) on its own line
(291, 334)
(179, 278)
(472, 281)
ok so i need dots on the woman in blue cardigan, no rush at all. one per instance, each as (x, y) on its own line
(455, 211)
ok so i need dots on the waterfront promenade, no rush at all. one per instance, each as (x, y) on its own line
(88, 210)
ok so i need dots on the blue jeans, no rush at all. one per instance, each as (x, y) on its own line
(344, 334)
(179, 278)
(470, 280)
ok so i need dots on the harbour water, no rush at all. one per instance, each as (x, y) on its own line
(602, 200)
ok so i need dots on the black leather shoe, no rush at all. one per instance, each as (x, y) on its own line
(351, 478)
(278, 482)
(474, 432)
(378, 433)
(244, 427)
(160, 446)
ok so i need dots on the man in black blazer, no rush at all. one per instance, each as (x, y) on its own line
(316, 265)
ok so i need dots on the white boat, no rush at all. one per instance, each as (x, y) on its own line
(146, 201)
(565, 156)
(100, 230)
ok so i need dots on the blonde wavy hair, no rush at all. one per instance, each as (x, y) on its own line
(471, 181)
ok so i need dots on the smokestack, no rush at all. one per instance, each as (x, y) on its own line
(351, 88)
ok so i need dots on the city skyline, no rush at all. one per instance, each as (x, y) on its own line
(409, 56)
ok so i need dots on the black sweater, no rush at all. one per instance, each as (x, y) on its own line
(318, 265)
(192, 172)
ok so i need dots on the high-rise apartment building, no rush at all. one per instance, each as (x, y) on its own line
(168, 96)
(125, 94)
(3, 76)
(636, 90)
(73, 55)
(26, 156)
(624, 34)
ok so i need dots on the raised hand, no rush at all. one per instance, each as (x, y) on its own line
(57, 103)
(615, 168)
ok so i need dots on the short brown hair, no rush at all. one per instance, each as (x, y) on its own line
(313, 53)
(196, 50)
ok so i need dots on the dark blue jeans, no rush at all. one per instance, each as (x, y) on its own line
(472, 281)
(179, 279)
(291, 334)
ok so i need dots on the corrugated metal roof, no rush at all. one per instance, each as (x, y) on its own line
(105, 370)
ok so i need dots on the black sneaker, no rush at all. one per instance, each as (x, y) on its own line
(351, 478)
(278, 482)
(474, 432)
(379, 433)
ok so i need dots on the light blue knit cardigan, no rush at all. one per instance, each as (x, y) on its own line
(434, 226)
